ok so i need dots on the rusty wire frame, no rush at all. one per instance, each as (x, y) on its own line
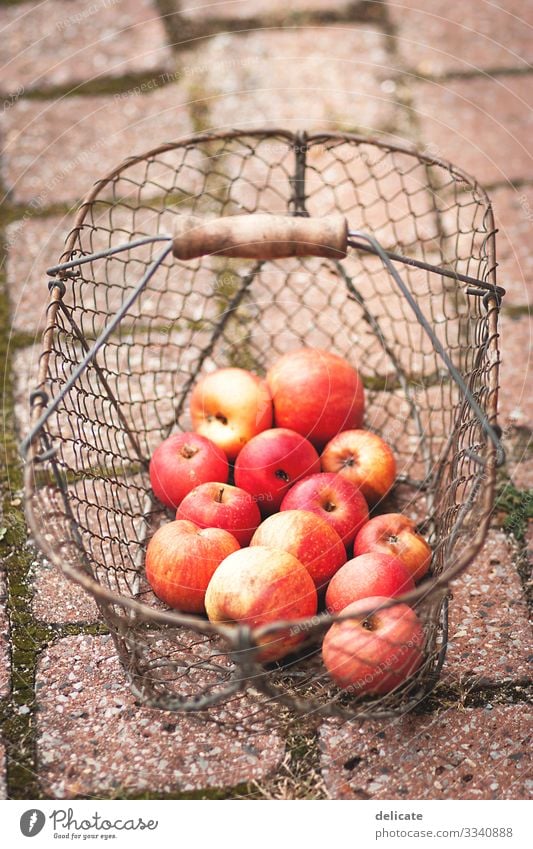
(89, 503)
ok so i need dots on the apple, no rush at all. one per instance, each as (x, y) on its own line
(377, 652)
(271, 462)
(367, 575)
(181, 559)
(316, 393)
(230, 406)
(309, 538)
(182, 462)
(364, 459)
(219, 505)
(334, 499)
(256, 586)
(396, 534)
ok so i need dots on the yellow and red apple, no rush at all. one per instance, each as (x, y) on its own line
(396, 534)
(181, 559)
(220, 505)
(229, 407)
(363, 458)
(368, 575)
(257, 586)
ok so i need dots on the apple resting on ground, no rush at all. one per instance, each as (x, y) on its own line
(332, 498)
(219, 505)
(394, 533)
(229, 407)
(184, 461)
(375, 654)
(364, 459)
(271, 462)
(256, 586)
(309, 538)
(181, 559)
(365, 576)
(316, 393)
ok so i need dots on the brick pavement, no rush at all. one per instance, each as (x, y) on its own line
(123, 77)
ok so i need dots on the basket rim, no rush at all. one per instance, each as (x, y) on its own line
(175, 618)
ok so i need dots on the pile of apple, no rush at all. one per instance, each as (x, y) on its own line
(291, 535)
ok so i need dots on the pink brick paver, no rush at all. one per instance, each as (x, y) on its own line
(451, 36)
(56, 150)
(513, 211)
(94, 739)
(457, 754)
(481, 125)
(489, 632)
(515, 398)
(58, 600)
(307, 78)
(60, 43)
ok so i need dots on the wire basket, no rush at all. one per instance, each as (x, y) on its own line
(413, 305)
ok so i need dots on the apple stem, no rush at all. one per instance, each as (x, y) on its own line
(368, 624)
(329, 507)
(348, 462)
(219, 496)
(282, 475)
(392, 538)
(188, 451)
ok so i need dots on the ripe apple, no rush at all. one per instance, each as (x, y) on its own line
(316, 393)
(367, 575)
(309, 538)
(271, 462)
(184, 461)
(393, 533)
(256, 586)
(230, 406)
(332, 498)
(376, 653)
(181, 559)
(364, 459)
(219, 505)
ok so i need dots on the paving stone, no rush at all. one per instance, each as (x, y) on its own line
(93, 739)
(5, 652)
(515, 403)
(521, 473)
(513, 211)
(489, 633)
(58, 600)
(55, 150)
(59, 43)
(481, 125)
(457, 754)
(200, 10)
(3, 774)
(325, 78)
(452, 36)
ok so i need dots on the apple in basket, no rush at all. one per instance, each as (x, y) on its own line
(396, 534)
(368, 575)
(182, 462)
(230, 406)
(316, 393)
(376, 652)
(363, 458)
(257, 586)
(181, 559)
(308, 537)
(334, 499)
(220, 505)
(271, 462)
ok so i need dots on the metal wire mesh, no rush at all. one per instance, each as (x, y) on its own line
(90, 504)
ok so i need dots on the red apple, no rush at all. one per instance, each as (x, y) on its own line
(219, 505)
(376, 653)
(184, 461)
(271, 462)
(229, 407)
(364, 459)
(393, 533)
(367, 575)
(256, 586)
(181, 559)
(334, 499)
(316, 393)
(309, 538)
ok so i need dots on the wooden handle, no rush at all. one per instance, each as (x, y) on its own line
(261, 237)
